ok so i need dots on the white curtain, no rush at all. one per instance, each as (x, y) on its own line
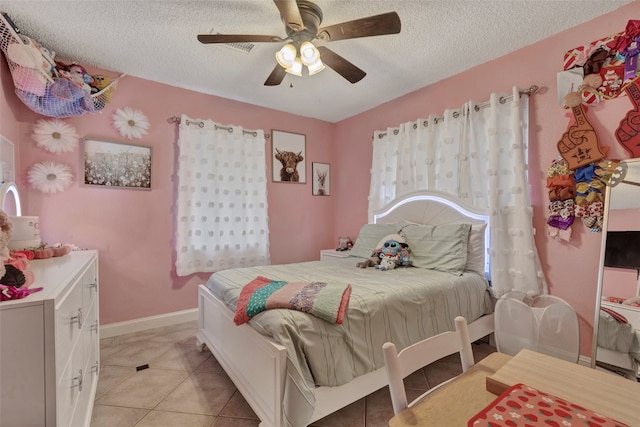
(479, 154)
(221, 212)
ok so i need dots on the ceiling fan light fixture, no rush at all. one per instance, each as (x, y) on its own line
(309, 54)
(316, 67)
(286, 56)
(295, 68)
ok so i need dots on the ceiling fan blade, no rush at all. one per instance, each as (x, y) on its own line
(290, 14)
(340, 65)
(378, 25)
(236, 38)
(276, 76)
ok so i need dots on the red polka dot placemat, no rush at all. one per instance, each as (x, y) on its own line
(523, 406)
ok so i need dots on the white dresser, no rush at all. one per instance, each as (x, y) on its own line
(50, 346)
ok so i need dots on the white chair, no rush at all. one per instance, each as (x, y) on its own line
(421, 354)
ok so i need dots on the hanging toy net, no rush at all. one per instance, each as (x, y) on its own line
(47, 86)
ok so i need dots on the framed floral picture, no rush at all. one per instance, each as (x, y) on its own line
(321, 179)
(288, 157)
(116, 164)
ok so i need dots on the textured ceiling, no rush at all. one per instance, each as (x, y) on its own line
(156, 40)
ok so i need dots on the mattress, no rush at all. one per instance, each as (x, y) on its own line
(404, 305)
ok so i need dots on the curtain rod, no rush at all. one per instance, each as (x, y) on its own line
(529, 91)
(175, 119)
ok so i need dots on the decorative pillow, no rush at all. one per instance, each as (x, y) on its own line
(475, 249)
(369, 237)
(438, 247)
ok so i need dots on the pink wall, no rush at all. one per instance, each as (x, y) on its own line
(133, 229)
(571, 268)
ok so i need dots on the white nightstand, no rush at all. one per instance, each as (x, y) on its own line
(328, 254)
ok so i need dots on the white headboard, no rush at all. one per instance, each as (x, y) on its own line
(435, 208)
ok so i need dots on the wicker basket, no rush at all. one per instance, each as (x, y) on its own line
(38, 83)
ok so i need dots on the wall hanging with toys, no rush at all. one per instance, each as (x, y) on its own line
(46, 85)
(614, 59)
(604, 69)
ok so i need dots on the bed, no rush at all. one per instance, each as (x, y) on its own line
(293, 368)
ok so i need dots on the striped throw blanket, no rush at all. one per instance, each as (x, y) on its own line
(325, 301)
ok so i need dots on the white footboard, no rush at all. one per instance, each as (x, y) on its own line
(255, 365)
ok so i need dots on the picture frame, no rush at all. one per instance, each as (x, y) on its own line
(321, 179)
(116, 164)
(288, 157)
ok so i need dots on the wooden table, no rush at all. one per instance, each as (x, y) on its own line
(455, 403)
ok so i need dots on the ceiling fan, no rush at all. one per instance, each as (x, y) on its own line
(302, 19)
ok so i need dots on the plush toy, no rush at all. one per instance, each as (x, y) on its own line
(32, 65)
(75, 73)
(386, 263)
(15, 276)
(393, 252)
(391, 249)
(101, 82)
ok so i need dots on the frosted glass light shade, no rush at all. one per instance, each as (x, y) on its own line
(316, 67)
(286, 56)
(309, 54)
(296, 67)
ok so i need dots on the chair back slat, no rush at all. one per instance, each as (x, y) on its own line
(416, 356)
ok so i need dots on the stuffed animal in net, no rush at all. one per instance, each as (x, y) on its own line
(392, 247)
(101, 82)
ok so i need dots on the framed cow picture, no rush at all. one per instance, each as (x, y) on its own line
(288, 157)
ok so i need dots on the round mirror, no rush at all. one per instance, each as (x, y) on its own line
(10, 199)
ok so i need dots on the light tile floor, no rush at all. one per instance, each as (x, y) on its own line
(183, 387)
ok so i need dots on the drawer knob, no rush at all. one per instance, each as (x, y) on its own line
(77, 318)
(77, 381)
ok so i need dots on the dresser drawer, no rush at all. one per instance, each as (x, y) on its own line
(69, 387)
(90, 340)
(70, 317)
(89, 283)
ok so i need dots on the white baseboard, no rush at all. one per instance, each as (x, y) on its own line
(142, 324)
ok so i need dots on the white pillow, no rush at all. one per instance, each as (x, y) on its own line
(475, 249)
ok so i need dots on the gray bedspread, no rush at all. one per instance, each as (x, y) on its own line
(403, 306)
